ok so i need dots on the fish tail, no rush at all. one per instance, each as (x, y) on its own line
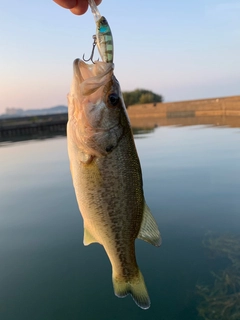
(135, 286)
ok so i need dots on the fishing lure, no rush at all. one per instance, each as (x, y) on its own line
(103, 38)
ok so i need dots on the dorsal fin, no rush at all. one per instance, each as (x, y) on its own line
(149, 230)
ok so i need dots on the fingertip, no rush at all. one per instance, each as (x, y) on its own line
(77, 7)
(80, 8)
(67, 4)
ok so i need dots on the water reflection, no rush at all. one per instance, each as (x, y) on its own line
(191, 183)
(153, 122)
(44, 136)
(140, 125)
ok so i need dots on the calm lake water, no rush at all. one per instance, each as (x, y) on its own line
(192, 185)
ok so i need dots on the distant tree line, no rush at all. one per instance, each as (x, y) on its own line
(140, 96)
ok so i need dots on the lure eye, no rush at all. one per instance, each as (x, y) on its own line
(113, 98)
(104, 21)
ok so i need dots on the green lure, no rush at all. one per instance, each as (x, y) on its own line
(103, 38)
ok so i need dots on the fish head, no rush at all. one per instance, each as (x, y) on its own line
(96, 107)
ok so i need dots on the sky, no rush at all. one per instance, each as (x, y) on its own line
(182, 50)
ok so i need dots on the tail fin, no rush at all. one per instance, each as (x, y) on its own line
(136, 287)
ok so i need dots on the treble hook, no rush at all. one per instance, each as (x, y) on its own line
(92, 53)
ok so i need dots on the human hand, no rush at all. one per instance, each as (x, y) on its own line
(76, 6)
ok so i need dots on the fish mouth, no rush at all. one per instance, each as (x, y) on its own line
(90, 77)
(91, 120)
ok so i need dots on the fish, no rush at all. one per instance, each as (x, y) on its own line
(107, 175)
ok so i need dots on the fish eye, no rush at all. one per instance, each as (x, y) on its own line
(113, 98)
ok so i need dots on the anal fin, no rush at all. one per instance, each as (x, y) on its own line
(149, 230)
(88, 238)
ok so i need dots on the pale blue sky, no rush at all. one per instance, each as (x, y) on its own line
(181, 49)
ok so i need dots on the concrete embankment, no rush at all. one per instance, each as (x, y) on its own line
(33, 126)
(219, 111)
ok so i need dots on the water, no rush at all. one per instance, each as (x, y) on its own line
(191, 183)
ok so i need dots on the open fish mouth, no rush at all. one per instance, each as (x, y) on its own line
(90, 77)
(93, 120)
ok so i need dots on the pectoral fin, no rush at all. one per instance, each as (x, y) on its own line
(88, 237)
(149, 230)
(84, 157)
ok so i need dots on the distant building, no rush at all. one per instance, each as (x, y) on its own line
(13, 111)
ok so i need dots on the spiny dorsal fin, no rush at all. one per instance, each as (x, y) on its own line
(88, 238)
(149, 230)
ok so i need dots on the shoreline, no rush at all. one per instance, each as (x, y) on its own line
(218, 112)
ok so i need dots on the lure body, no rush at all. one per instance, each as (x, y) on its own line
(104, 39)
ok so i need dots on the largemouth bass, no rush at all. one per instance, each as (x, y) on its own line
(107, 175)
